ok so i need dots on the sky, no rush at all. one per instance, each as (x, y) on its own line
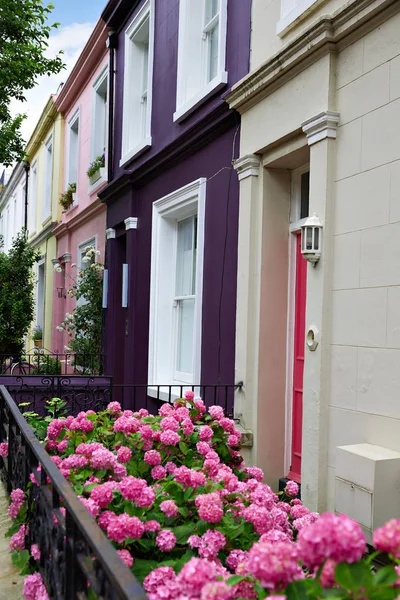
(77, 19)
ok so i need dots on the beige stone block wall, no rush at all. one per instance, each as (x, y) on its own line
(365, 326)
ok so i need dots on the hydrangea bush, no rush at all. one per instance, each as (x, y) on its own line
(192, 521)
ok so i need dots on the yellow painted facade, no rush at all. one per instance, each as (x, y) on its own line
(45, 155)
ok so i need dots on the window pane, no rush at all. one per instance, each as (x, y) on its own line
(213, 53)
(186, 258)
(184, 355)
(305, 195)
(212, 8)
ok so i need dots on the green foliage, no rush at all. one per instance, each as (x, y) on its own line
(37, 333)
(84, 326)
(24, 36)
(46, 365)
(97, 164)
(66, 199)
(16, 295)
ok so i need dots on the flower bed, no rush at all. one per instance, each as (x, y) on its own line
(191, 520)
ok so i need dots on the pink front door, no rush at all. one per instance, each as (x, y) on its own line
(298, 361)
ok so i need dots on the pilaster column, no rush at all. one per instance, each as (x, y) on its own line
(108, 346)
(321, 134)
(248, 295)
(131, 224)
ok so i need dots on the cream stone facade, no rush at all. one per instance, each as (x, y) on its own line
(323, 95)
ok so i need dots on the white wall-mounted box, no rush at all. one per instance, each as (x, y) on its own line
(367, 484)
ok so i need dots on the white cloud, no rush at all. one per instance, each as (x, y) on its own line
(71, 39)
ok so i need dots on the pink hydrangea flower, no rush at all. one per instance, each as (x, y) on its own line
(255, 472)
(91, 506)
(169, 508)
(275, 565)
(152, 525)
(170, 467)
(56, 426)
(233, 441)
(327, 578)
(105, 518)
(210, 507)
(126, 424)
(189, 395)
(35, 552)
(165, 410)
(203, 448)
(124, 454)
(157, 577)
(194, 575)
(291, 489)
(17, 541)
(34, 588)
(126, 557)
(166, 540)
(114, 408)
(217, 412)
(387, 538)
(209, 544)
(123, 526)
(298, 510)
(227, 424)
(103, 459)
(187, 427)
(199, 404)
(206, 433)
(333, 536)
(4, 449)
(102, 495)
(260, 517)
(216, 590)
(235, 557)
(181, 413)
(62, 446)
(170, 438)
(302, 522)
(158, 472)
(153, 458)
(146, 432)
(169, 423)
(131, 487)
(146, 498)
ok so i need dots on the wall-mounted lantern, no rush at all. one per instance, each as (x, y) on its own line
(311, 234)
(61, 293)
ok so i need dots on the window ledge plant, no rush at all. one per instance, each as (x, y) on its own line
(96, 168)
(67, 199)
(37, 336)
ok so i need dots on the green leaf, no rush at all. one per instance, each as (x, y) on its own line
(183, 511)
(187, 493)
(20, 559)
(184, 448)
(141, 568)
(301, 590)
(353, 577)
(385, 576)
(182, 532)
(235, 579)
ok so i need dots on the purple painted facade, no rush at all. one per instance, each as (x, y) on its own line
(199, 146)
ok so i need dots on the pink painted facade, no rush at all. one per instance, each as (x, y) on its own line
(83, 104)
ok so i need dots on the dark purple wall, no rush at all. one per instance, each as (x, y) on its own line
(200, 146)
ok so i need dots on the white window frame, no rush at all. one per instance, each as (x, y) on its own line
(127, 153)
(291, 15)
(41, 263)
(185, 202)
(184, 106)
(295, 226)
(95, 114)
(48, 179)
(32, 198)
(75, 117)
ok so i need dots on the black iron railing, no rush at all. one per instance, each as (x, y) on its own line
(94, 393)
(80, 393)
(136, 396)
(43, 362)
(74, 550)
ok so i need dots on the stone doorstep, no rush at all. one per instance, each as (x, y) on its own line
(10, 581)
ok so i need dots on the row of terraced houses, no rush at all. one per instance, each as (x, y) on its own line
(230, 129)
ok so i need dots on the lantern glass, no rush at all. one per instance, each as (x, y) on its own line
(316, 238)
(309, 231)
